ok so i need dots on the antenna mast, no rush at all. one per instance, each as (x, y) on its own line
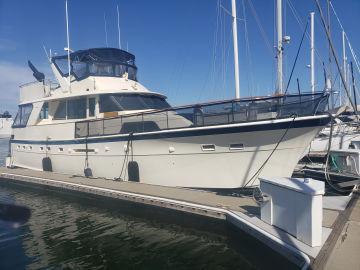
(279, 47)
(312, 14)
(68, 43)
(236, 51)
(106, 37)
(118, 26)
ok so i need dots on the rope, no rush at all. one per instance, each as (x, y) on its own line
(251, 84)
(86, 153)
(296, 58)
(335, 56)
(342, 28)
(262, 31)
(126, 157)
(327, 176)
(301, 25)
(252, 179)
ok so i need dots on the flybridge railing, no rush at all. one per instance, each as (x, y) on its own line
(207, 114)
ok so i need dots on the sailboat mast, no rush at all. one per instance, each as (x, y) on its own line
(236, 51)
(279, 47)
(344, 57)
(312, 45)
(118, 26)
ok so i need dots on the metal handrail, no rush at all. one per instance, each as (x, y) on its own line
(198, 112)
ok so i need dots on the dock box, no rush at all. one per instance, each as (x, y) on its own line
(294, 205)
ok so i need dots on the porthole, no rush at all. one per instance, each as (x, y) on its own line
(208, 147)
(236, 146)
(41, 148)
(48, 148)
(61, 149)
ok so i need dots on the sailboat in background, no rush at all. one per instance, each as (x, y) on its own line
(345, 131)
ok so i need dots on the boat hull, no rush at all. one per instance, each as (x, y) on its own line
(206, 157)
(341, 139)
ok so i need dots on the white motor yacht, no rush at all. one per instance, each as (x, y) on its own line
(106, 124)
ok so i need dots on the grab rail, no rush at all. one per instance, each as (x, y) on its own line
(206, 114)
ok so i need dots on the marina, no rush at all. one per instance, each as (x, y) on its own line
(242, 212)
(100, 168)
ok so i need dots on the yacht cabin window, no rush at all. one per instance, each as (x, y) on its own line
(22, 116)
(44, 113)
(76, 108)
(60, 113)
(128, 102)
(92, 104)
(71, 109)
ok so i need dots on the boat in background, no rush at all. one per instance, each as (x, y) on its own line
(5, 125)
(345, 130)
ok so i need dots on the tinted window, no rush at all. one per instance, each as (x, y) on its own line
(91, 106)
(79, 69)
(76, 108)
(62, 65)
(60, 111)
(44, 113)
(23, 115)
(121, 102)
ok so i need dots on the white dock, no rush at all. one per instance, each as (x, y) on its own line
(242, 212)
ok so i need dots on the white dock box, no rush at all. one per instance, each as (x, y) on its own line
(294, 205)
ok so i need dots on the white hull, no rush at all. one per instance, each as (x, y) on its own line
(169, 160)
(341, 139)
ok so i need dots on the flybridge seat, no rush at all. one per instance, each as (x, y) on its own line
(208, 114)
(97, 62)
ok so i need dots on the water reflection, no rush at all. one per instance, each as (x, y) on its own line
(72, 231)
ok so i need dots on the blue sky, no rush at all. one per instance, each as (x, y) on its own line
(183, 47)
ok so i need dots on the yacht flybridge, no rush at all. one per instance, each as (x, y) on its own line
(104, 123)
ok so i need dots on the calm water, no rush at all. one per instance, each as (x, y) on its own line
(4, 148)
(72, 231)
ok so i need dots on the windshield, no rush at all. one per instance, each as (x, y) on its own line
(98, 62)
(127, 102)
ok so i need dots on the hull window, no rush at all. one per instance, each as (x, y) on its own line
(208, 147)
(236, 146)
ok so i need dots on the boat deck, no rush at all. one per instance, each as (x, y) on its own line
(241, 211)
